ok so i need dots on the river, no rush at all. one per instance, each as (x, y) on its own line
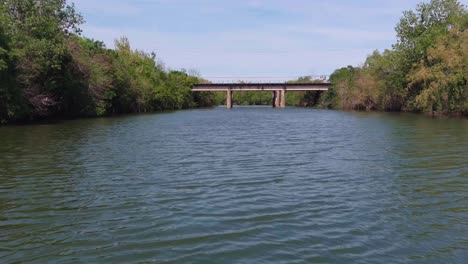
(250, 185)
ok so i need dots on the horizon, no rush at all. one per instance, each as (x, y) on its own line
(250, 39)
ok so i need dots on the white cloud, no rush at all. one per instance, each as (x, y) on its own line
(116, 8)
(239, 53)
(249, 37)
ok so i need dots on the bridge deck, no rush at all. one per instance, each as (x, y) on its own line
(213, 87)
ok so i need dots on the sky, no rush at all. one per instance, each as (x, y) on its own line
(255, 39)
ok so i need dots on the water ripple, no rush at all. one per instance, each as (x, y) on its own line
(251, 185)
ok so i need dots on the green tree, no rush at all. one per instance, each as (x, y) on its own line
(11, 103)
(443, 77)
(38, 30)
(89, 78)
(136, 78)
(390, 79)
(417, 31)
(425, 70)
(47, 69)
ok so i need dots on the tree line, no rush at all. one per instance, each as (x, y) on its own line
(48, 70)
(425, 71)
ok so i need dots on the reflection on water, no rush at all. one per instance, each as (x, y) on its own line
(250, 185)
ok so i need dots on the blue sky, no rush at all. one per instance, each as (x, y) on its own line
(242, 38)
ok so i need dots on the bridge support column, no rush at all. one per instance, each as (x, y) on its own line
(229, 99)
(276, 99)
(283, 98)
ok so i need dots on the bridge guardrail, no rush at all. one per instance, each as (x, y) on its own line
(267, 80)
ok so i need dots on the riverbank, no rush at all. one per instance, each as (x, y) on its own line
(432, 114)
(50, 71)
(424, 71)
(57, 120)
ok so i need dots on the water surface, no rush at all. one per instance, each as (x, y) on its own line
(250, 185)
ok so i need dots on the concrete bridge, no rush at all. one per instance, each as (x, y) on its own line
(278, 89)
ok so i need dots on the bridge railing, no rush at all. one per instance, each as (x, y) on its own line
(266, 80)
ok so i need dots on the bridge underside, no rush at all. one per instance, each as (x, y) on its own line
(278, 89)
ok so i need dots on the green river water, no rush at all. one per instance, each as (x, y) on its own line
(250, 185)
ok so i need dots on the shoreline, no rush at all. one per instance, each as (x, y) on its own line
(55, 120)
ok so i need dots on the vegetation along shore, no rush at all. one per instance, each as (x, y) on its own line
(49, 70)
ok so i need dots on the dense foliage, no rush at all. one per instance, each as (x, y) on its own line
(425, 71)
(48, 70)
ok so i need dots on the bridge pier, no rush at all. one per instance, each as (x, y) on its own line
(229, 99)
(283, 98)
(278, 89)
(276, 99)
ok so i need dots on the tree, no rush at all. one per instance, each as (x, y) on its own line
(425, 70)
(38, 30)
(47, 69)
(390, 78)
(417, 31)
(443, 78)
